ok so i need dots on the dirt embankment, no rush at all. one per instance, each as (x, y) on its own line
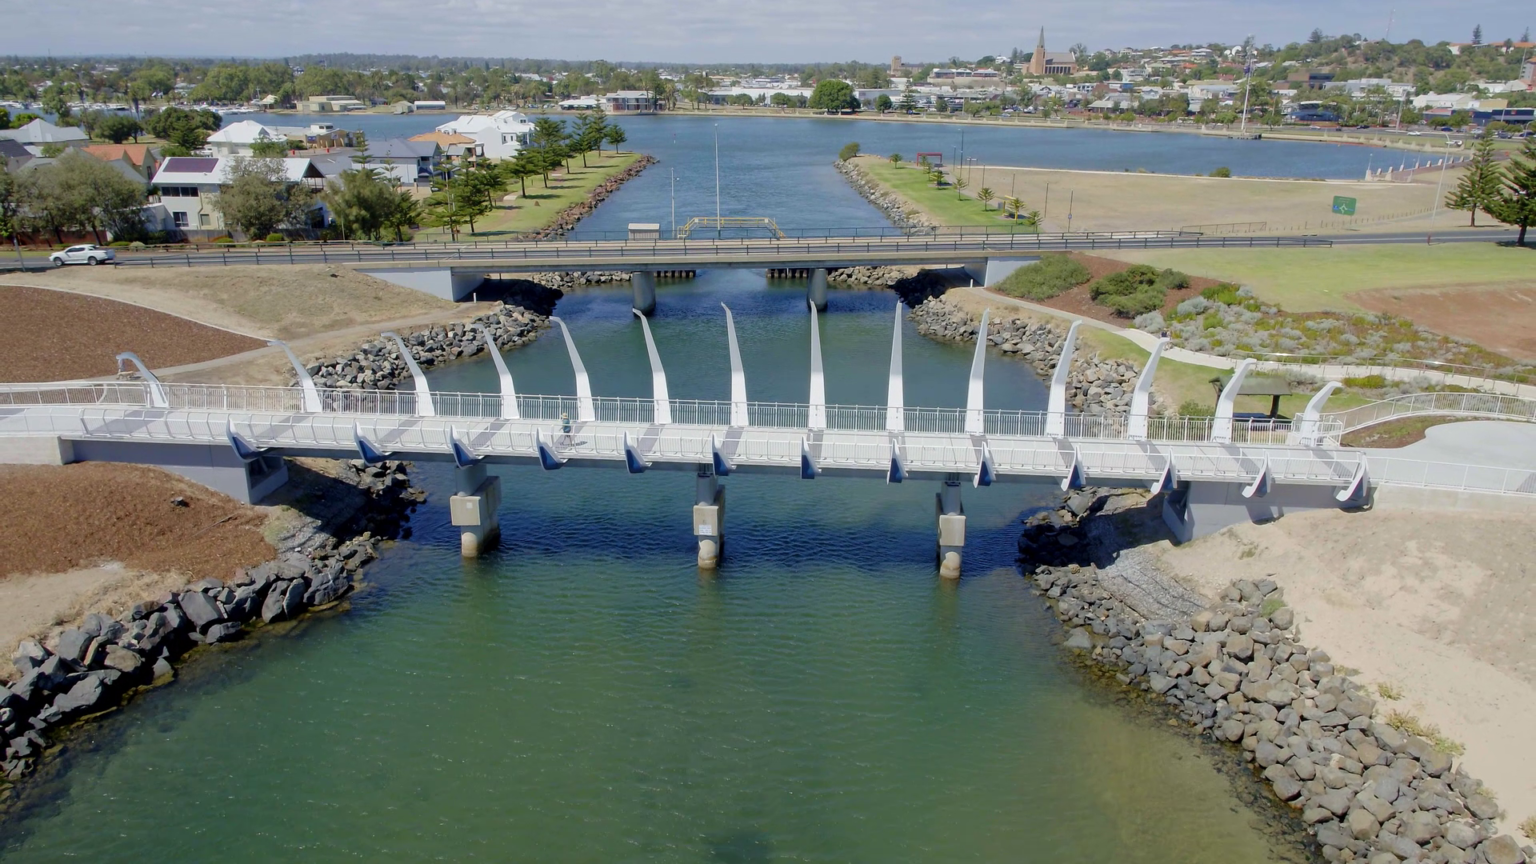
(95, 536)
(58, 336)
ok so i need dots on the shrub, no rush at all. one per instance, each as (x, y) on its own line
(1136, 290)
(1226, 294)
(1152, 322)
(1133, 305)
(1366, 382)
(1128, 281)
(850, 150)
(224, 239)
(118, 244)
(276, 238)
(1050, 276)
(1171, 280)
(1223, 171)
(1193, 408)
(1192, 307)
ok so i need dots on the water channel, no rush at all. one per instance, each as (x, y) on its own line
(585, 694)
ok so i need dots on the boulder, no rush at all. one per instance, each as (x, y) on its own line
(163, 669)
(199, 609)
(1503, 850)
(1335, 801)
(1333, 834)
(122, 659)
(293, 598)
(1080, 639)
(1378, 808)
(85, 695)
(1482, 806)
(245, 604)
(1421, 827)
(1462, 835)
(1362, 824)
(272, 607)
(72, 645)
(221, 632)
(1283, 618)
(328, 584)
(1286, 788)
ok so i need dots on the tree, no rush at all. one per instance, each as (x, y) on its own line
(82, 193)
(959, 182)
(908, 104)
(850, 150)
(985, 196)
(833, 97)
(183, 129)
(118, 128)
(360, 201)
(589, 133)
(883, 103)
(485, 181)
(1480, 184)
(405, 213)
(1477, 34)
(258, 198)
(1223, 171)
(615, 136)
(269, 149)
(522, 166)
(1516, 204)
(449, 207)
(895, 160)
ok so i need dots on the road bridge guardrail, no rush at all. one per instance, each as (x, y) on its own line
(683, 251)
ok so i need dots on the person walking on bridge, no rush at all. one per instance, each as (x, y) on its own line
(565, 429)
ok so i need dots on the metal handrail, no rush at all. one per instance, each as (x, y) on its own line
(1490, 405)
(1473, 375)
(608, 409)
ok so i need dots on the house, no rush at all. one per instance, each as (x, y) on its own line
(139, 159)
(40, 133)
(581, 103)
(403, 106)
(452, 145)
(420, 158)
(630, 102)
(237, 139)
(189, 184)
(330, 104)
(497, 136)
(13, 155)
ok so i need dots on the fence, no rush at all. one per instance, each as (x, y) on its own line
(623, 410)
(1392, 368)
(1461, 404)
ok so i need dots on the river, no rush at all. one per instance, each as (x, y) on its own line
(584, 693)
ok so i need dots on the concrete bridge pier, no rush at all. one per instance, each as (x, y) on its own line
(644, 284)
(816, 289)
(950, 514)
(709, 517)
(473, 508)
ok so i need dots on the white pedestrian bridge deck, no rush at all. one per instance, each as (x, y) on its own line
(624, 433)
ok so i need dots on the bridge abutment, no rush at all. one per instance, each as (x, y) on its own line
(709, 518)
(472, 509)
(644, 285)
(1195, 509)
(950, 515)
(816, 289)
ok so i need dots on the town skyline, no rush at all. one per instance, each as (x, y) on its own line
(789, 32)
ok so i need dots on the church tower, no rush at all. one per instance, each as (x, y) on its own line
(1037, 62)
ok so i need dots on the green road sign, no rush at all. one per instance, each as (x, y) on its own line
(1343, 206)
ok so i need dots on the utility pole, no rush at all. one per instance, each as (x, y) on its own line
(674, 203)
(1071, 196)
(717, 181)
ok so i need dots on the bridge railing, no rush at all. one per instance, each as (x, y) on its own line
(238, 399)
(1460, 404)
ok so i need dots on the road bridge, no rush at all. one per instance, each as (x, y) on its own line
(1217, 470)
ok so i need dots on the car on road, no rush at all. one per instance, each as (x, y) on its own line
(84, 254)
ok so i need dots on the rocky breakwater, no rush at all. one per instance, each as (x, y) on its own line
(83, 671)
(900, 212)
(1237, 671)
(564, 282)
(1094, 385)
(912, 284)
(377, 364)
(567, 220)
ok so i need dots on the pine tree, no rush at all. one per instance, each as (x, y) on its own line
(1479, 187)
(1477, 35)
(1516, 202)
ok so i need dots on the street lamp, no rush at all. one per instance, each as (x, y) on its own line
(717, 181)
(1445, 161)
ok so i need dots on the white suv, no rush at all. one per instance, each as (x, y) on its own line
(86, 254)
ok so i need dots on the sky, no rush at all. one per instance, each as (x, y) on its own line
(713, 31)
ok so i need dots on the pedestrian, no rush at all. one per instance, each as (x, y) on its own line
(565, 429)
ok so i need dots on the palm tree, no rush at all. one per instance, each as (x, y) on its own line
(895, 160)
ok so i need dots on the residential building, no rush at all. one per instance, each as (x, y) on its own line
(581, 103)
(1528, 75)
(13, 155)
(40, 133)
(189, 184)
(630, 102)
(497, 136)
(140, 160)
(1043, 62)
(1359, 87)
(237, 139)
(452, 145)
(417, 158)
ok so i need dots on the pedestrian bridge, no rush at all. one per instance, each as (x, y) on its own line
(1218, 470)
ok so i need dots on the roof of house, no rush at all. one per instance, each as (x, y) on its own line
(246, 132)
(401, 148)
(40, 131)
(444, 139)
(137, 154)
(500, 121)
(203, 170)
(13, 150)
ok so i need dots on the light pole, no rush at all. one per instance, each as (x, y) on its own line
(1439, 187)
(674, 203)
(717, 181)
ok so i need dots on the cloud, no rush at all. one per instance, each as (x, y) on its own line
(710, 30)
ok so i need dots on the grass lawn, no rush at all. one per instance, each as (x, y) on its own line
(1321, 279)
(942, 205)
(541, 205)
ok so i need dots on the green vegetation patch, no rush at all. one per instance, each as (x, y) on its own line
(1051, 276)
(1136, 290)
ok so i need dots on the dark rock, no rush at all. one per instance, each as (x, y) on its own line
(72, 645)
(200, 610)
(86, 694)
(221, 632)
(272, 606)
(293, 598)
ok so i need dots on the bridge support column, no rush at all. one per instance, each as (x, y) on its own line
(644, 284)
(473, 509)
(709, 517)
(816, 289)
(951, 523)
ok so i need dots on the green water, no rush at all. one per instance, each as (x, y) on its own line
(585, 694)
